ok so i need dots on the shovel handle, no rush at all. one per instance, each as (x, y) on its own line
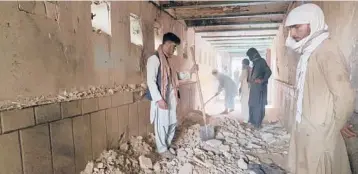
(198, 85)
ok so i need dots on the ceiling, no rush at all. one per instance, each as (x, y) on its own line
(231, 26)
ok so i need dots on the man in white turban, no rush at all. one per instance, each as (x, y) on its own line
(325, 98)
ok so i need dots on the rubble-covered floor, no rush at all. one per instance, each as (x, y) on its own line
(236, 149)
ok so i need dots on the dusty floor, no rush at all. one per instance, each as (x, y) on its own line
(236, 149)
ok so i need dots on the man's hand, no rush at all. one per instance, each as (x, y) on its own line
(347, 131)
(258, 81)
(162, 104)
(194, 68)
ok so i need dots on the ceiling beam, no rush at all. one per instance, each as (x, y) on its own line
(241, 45)
(161, 9)
(260, 24)
(237, 15)
(220, 39)
(214, 4)
(242, 48)
(262, 50)
(244, 30)
(239, 36)
(240, 41)
(231, 22)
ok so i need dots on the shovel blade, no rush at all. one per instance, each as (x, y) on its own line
(207, 133)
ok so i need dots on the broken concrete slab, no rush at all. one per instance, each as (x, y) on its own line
(145, 163)
(214, 142)
(187, 168)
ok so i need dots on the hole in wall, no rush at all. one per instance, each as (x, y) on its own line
(136, 30)
(157, 34)
(101, 17)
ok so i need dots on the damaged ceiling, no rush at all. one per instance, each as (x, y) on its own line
(232, 26)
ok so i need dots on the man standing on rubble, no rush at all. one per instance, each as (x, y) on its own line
(259, 77)
(230, 89)
(325, 98)
(163, 84)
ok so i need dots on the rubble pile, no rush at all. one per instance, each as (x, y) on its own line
(130, 157)
(236, 149)
(23, 102)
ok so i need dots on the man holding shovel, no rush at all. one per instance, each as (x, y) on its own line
(230, 88)
(163, 84)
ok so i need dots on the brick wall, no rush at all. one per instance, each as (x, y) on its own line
(62, 137)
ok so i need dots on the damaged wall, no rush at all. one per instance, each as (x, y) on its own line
(63, 137)
(45, 47)
(49, 47)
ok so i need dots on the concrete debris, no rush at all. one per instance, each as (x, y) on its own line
(225, 155)
(242, 164)
(75, 94)
(214, 143)
(156, 167)
(187, 168)
(145, 163)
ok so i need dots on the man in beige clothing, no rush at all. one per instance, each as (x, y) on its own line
(325, 98)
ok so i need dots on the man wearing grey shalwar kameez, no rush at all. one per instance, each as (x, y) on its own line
(163, 83)
(260, 75)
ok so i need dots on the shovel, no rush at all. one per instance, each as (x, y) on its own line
(206, 132)
(210, 99)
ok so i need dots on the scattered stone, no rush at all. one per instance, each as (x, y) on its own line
(89, 168)
(242, 164)
(100, 165)
(172, 151)
(224, 148)
(145, 163)
(214, 143)
(124, 147)
(156, 167)
(229, 154)
(187, 168)
(181, 153)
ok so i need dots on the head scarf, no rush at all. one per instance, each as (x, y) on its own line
(305, 14)
(253, 54)
(167, 75)
(245, 62)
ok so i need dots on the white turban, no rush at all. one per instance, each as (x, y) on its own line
(305, 14)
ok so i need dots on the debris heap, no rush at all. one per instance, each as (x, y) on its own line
(75, 94)
(236, 149)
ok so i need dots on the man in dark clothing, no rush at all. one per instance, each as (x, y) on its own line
(258, 87)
